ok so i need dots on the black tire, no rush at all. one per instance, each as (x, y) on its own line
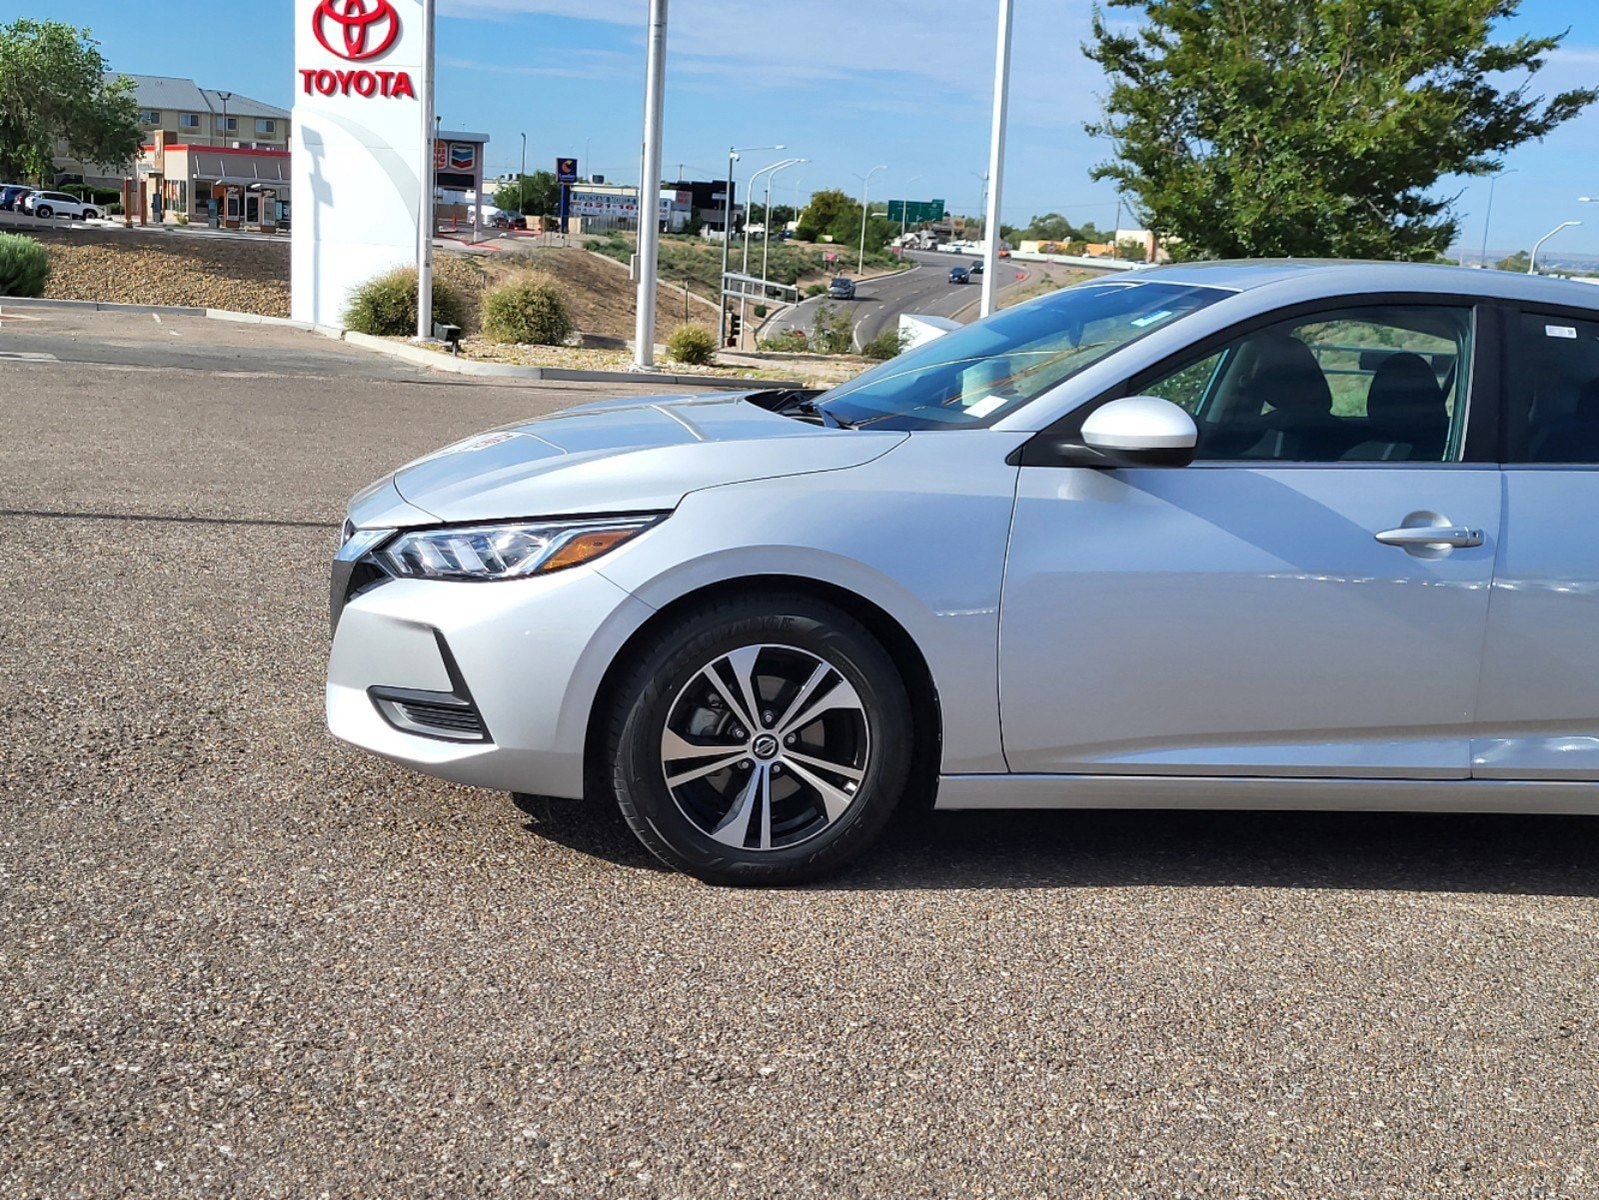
(89, 214)
(44, 212)
(653, 691)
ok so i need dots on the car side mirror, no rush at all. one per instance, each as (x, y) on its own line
(1138, 431)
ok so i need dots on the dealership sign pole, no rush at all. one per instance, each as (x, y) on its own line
(361, 161)
(424, 225)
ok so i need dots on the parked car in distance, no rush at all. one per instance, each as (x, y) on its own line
(841, 289)
(61, 204)
(1238, 535)
(12, 195)
(960, 274)
(508, 220)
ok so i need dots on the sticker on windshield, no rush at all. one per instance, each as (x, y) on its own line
(985, 406)
(1560, 331)
(1159, 315)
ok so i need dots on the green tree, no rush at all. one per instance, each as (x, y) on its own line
(54, 85)
(1518, 262)
(1319, 127)
(826, 207)
(540, 192)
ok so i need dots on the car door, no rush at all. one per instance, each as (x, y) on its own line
(1538, 716)
(1271, 609)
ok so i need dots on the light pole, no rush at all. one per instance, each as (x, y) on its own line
(866, 188)
(521, 181)
(1482, 259)
(766, 225)
(1532, 263)
(733, 153)
(224, 97)
(649, 199)
(744, 264)
(982, 202)
(996, 158)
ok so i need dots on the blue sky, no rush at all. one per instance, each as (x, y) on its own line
(848, 84)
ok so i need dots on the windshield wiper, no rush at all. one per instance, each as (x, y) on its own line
(810, 408)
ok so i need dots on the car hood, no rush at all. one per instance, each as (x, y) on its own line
(630, 455)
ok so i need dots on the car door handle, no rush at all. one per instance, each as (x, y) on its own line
(1431, 535)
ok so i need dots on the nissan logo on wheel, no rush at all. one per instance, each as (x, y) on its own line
(366, 28)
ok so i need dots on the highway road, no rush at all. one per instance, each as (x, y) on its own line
(925, 288)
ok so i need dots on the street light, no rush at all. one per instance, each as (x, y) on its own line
(1532, 263)
(766, 230)
(866, 187)
(733, 153)
(649, 190)
(224, 97)
(744, 264)
(521, 181)
(1482, 259)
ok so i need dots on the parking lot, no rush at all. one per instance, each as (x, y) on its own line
(241, 959)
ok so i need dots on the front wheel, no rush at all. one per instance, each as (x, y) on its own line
(89, 214)
(761, 741)
(44, 211)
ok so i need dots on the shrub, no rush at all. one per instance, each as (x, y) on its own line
(886, 345)
(815, 289)
(693, 344)
(386, 306)
(790, 341)
(24, 266)
(114, 209)
(833, 331)
(760, 310)
(530, 310)
(805, 233)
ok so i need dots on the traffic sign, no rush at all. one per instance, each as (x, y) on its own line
(919, 211)
(566, 170)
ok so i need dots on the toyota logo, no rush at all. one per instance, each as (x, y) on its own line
(366, 28)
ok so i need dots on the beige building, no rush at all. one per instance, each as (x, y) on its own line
(188, 115)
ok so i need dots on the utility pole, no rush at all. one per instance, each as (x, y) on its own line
(521, 181)
(996, 159)
(649, 230)
(424, 210)
(1482, 259)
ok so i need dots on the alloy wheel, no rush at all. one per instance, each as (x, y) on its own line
(766, 746)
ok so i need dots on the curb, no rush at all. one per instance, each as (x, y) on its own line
(441, 362)
(415, 354)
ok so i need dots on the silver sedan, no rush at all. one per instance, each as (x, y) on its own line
(1268, 535)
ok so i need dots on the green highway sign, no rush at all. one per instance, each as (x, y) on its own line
(920, 210)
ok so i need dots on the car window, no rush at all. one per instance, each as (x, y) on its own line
(977, 374)
(1558, 396)
(1385, 384)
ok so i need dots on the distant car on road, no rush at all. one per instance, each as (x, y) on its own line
(841, 289)
(505, 220)
(12, 195)
(960, 274)
(977, 267)
(61, 204)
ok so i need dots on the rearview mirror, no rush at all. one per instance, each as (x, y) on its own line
(1140, 431)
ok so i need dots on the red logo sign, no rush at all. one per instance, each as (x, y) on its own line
(366, 28)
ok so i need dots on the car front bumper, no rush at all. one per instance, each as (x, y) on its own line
(527, 657)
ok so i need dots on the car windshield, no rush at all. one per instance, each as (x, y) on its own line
(976, 375)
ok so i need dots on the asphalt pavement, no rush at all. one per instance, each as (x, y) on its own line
(240, 959)
(924, 288)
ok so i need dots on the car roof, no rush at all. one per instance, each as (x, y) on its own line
(1336, 276)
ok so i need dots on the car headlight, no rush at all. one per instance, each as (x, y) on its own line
(509, 551)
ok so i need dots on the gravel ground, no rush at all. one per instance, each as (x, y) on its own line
(239, 959)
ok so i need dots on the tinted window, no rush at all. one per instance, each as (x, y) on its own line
(978, 374)
(1358, 385)
(1559, 395)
